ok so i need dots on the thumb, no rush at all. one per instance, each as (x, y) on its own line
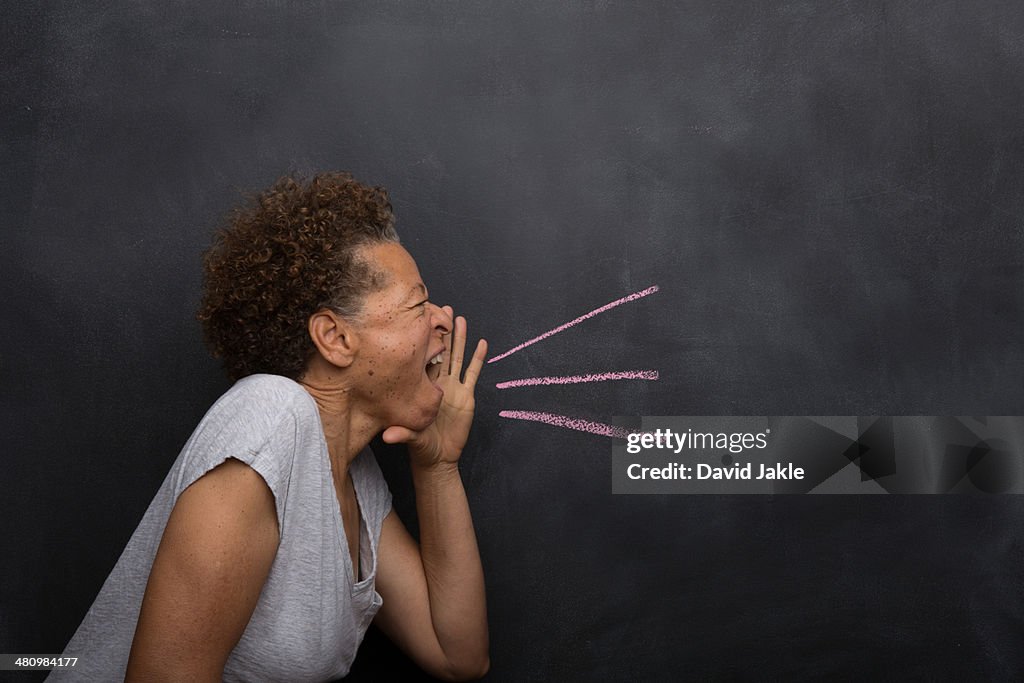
(398, 435)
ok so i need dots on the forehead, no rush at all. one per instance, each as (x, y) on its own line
(402, 277)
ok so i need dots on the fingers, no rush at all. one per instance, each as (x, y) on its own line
(476, 363)
(447, 336)
(455, 344)
(458, 350)
(398, 435)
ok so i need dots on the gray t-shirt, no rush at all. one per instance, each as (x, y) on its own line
(312, 613)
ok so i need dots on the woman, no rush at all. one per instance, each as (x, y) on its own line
(271, 545)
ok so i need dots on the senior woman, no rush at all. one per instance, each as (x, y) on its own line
(271, 545)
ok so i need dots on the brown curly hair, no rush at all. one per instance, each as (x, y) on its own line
(293, 252)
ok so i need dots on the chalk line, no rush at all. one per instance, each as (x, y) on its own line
(566, 422)
(576, 379)
(618, 302)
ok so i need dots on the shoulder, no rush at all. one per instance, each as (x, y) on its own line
(262, 420)
(270, 392)
(257, 404)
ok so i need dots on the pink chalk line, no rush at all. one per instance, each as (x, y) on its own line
(576, 423)
(626, 299)
(576, 379)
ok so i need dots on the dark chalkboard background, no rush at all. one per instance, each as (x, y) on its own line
(828, 195)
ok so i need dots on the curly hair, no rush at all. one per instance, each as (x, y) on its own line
(293, 252)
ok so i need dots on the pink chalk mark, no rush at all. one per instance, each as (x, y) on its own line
(618, 302)
(566, 422)
(576, 379)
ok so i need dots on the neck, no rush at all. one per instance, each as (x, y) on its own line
(347, 430)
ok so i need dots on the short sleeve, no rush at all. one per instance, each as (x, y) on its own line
(259, 421)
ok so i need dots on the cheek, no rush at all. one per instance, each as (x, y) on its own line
(403, 363)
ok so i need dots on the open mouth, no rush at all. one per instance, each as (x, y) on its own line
(434, 366)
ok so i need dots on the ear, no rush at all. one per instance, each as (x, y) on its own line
(334, 337)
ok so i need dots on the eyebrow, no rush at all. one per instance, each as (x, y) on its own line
(419, 287)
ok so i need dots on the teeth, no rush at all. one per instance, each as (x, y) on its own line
(437, 359)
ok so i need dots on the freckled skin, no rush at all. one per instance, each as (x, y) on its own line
(399, 338)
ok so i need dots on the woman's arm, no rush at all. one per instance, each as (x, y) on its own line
(213, 559)
(434, 603)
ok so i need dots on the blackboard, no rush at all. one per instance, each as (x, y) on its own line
(826, 195)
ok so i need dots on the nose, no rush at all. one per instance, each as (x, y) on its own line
(441, 318)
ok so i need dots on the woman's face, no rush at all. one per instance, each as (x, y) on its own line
(400, 334)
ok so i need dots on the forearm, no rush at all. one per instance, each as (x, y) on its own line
(451, 563)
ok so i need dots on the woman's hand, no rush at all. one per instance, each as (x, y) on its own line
(441, 443)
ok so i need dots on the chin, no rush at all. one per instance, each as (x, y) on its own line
(431, 416)
(420, 422)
